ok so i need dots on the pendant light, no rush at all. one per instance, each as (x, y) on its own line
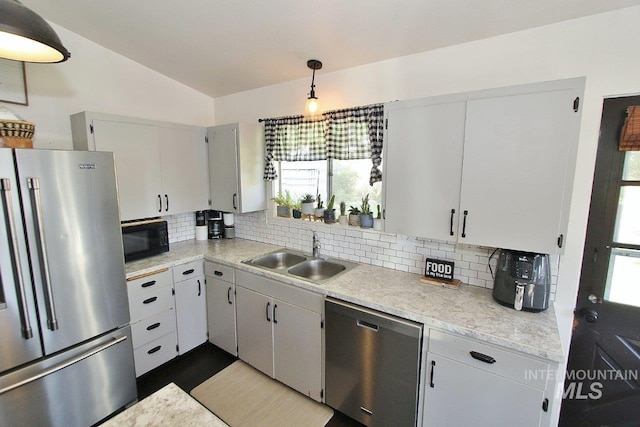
(25, 36)
(312, 107)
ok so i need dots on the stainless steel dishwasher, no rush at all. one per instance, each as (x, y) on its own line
(372, 365)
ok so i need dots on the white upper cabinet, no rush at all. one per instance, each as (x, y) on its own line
(183, 156)
(161, 167)
(518, 170)
(236, 168)
(422, 162)
(492, 168)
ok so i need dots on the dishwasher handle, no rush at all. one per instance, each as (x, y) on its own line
(367, 325)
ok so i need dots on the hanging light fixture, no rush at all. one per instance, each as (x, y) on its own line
(312, 107)
(25, 36)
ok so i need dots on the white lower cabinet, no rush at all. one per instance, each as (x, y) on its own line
(221, 306)
(153, 320)
(280, 332)
(191, 305)
(472, 383)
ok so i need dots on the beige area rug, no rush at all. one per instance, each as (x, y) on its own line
(244, 397)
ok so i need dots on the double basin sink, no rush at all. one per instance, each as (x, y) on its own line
(302, 266)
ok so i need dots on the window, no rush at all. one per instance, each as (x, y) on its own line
(347, 179)
(339, 154)
(624, 262)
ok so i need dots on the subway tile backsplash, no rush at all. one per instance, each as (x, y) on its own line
(398, 252)
(181, 227)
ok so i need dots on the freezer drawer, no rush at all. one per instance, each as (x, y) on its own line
(78, 387)
(372, 365)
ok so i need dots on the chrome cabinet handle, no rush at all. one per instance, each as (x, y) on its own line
(25, 324)
(62, 365)
(34, 187)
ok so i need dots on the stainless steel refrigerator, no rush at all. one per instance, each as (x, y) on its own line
(66, 357)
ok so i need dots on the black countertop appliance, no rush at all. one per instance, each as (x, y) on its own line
(523, 280)
(215, 224)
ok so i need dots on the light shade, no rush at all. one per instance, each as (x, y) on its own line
(312, 107)
(25, 36)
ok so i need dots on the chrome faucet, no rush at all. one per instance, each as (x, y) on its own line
(316, 246)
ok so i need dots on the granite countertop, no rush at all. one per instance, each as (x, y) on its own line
(469, 311)
(168, 406)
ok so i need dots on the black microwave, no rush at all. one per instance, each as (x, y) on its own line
(145, 238)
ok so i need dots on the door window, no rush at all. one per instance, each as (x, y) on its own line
(622, 284)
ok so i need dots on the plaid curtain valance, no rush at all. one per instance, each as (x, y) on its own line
(348, 134)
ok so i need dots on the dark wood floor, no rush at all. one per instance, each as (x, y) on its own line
(192, 369)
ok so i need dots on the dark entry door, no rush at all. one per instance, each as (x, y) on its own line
(602, 384)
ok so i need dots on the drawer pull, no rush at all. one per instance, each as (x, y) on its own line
(364, 324)
(154, 349)
(147, 284)
(187, 272)
(217, 273)
(482, 357)
(149, 300)
(433, 368)
(154, 326)
(366, 411)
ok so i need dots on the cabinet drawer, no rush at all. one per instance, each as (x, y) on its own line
(155, 353)
(147, 282)
(153, 327)
(153, 301)
(510, 365)
(187, 271)
(220, 271)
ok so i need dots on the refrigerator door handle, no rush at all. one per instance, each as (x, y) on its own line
(66, 363)
(27, 331)
(34, 187)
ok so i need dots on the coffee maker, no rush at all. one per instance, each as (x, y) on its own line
(523, 280)
(215, 225)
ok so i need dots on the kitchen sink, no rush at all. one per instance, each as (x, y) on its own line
(278, 260)
(301, 266)
(317, 269)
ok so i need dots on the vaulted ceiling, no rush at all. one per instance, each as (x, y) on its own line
(219, 47)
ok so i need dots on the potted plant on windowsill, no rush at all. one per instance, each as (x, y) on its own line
(377, 221)
(308, 204)
(319, 212)
(366, 219)
(284, 202)
(330, 212)
(343, 219)
(297, 210)
(354, 216)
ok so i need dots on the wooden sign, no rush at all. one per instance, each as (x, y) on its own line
(438, 269)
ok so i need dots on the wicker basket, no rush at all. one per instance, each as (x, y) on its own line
(17, 128)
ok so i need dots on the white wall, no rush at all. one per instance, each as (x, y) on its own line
(599, 47)
(97, 79)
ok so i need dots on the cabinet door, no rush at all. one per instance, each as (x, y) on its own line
(135, 147)
(221, 314)
(518, 165)
(191, 313)
(297, 347)
(223, 168)
(185, 179)
(255, 343)
(463, 395)
(423, 164)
